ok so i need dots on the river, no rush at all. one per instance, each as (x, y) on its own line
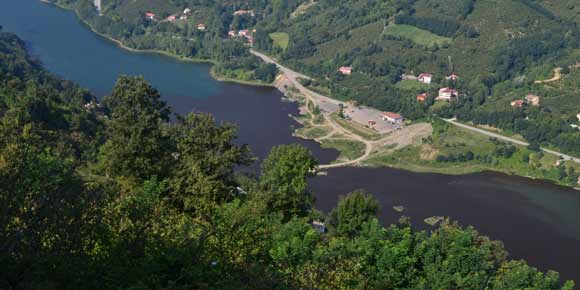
(536, 220)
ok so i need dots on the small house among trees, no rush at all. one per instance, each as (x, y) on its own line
(533, 100)
(425, 78)
(345, 70)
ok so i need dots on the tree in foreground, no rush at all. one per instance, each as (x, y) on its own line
(352, 212)
(284, 180)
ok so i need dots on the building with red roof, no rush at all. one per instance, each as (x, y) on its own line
(345, 70)
(392, 117)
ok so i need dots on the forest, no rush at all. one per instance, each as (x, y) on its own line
(125, 194)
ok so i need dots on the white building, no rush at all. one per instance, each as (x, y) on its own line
(392, 117)
(447, 94)
(425, 78)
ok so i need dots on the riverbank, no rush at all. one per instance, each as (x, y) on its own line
(358, 148)
(174, 56)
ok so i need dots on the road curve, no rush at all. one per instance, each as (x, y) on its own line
(293, 77)
(508, 139)
(317, 98)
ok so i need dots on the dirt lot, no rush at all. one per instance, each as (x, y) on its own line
(363, 115)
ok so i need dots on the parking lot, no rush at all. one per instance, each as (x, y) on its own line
(370, 118)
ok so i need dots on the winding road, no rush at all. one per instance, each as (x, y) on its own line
(509, 139)
(328, 106)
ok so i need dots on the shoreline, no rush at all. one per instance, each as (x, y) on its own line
(446, 171)
(120, 44)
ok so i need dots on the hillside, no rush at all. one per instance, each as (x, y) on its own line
(497, 48)
(114, 195)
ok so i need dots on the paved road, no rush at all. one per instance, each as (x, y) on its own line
(317, 98)
(324, 102)
(327, 105)
(512, 140)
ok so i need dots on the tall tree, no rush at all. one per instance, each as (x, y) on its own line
(284, 177)
(137, 145)
(352, 212)
(204, 163)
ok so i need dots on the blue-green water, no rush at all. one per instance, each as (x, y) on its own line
(66, 48)
(536, 220)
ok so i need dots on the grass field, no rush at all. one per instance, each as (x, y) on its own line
(416, 35)
(454, 140)
(411, 85)
(281, 39)
(349, 149)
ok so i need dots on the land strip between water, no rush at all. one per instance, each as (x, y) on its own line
(407, 147)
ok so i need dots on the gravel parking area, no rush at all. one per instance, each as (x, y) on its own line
(371, 118)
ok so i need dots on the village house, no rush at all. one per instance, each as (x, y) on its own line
(172, 17)
(422, 97)
(408, 77)
(244, 32)
(447, 94)
(183, 17)
(345, 70)
(452, 77)
(186, 11)
(201, 27)
(392, 117)
(244, 12)
(518, 103)
(533, 100)
(150, 16)
(578, 116)
(232, 33)
(425, 78)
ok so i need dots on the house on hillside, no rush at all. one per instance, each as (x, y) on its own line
(345, 70)
(244, 12)
(392, 117)
(452, 77)
(518, 103)
(150, 16)
(578, 116)
(447, 94)
(232, 33)
(244, 32)
(172, 17)
(201, 27)
(533, 100)
(183, 17)
(425, 78)
(186, 11)
(422, 97)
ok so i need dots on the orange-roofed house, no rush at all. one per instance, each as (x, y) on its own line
(422, 97)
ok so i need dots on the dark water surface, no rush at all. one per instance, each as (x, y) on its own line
(536, 220)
